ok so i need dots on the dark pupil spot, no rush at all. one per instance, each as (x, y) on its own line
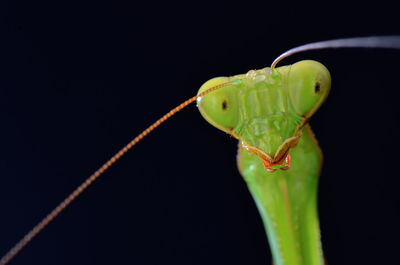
(224, 105)
(317, 87)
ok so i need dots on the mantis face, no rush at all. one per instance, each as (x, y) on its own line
(266, 109)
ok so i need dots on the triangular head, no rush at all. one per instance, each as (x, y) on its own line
(266, 109)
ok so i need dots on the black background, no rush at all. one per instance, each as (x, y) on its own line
(79, 79)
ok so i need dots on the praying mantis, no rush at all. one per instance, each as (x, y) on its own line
(278, 261)
(269, 135)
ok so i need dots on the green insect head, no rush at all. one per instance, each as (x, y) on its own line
(266, 109)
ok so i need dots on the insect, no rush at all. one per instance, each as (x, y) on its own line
(269, 134)
(268, 163)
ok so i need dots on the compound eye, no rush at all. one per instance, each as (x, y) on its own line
(309, 83)
(220, 107)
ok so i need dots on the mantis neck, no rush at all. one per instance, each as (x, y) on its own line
(287, 202)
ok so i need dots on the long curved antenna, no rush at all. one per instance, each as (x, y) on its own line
(386, 42)
(50, 217)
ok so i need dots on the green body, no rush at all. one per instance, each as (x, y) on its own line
(287, 201)
(268, 111)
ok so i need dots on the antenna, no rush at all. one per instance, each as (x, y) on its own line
(384, 42)
(67, 201)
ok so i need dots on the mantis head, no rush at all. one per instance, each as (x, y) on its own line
(267, 109)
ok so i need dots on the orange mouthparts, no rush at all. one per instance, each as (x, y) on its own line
(284, 161)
